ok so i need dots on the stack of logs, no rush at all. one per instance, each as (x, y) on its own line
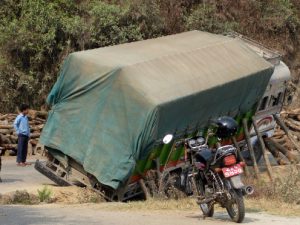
(291, 119)
(8, 136)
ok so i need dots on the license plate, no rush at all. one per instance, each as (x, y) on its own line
(232, 171)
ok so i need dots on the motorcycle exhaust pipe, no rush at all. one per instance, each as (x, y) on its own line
(248, 190)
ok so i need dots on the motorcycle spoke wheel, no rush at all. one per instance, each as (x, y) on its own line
(206, 208)
(236, 207)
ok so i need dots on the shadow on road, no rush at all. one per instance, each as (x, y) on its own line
(223, 217)
(10, 180)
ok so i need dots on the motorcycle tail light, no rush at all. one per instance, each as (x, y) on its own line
(229, 160)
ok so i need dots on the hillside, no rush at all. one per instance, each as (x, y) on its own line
(36, 35)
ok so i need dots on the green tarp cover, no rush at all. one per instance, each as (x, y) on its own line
(110, 105)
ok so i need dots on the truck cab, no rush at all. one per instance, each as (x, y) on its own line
(275, 97)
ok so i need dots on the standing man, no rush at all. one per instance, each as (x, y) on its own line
(21, 126)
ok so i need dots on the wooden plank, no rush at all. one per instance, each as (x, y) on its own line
(35, 135)
(286, 130)
(3, 117)
(250, 147)
(264, 151)
(144, 188)
(247, 173)
(292, 158)
(274, 151)
(6, 127)
(9, 146)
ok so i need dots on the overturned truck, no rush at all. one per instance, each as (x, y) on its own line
(112, 106)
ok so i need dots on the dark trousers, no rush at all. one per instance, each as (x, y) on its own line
(22, 148)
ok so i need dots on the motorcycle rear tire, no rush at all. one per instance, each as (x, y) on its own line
(237, 215)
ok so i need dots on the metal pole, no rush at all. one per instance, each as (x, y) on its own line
(250, 147)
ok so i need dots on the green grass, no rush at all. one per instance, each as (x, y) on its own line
(45, 194)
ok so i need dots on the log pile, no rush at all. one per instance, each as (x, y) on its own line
(291, 119)
(8, 136)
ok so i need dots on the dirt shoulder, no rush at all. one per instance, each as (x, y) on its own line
(27, 178)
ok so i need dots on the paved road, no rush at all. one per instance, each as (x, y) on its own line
(93, 215)
(20, 178)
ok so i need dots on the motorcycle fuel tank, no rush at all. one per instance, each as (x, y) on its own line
(204, 156)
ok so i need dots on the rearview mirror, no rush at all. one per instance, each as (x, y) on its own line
(167, 139)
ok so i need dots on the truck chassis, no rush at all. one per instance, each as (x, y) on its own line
(74, 174)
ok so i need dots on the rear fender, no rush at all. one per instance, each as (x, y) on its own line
(236, 182)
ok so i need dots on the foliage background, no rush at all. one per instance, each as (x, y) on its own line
(36, 35)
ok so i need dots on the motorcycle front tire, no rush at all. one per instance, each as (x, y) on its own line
(236, 206)
(207, 209)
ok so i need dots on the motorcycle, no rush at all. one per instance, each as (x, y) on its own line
(214, 175)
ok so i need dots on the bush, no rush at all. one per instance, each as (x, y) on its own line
(108, 25)
(206, 17)
(279, 15)
(45, 194)
(34, 37)
(19, 197)
(15, 88)
(37, 35)
(147, 15)
(285, 188)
